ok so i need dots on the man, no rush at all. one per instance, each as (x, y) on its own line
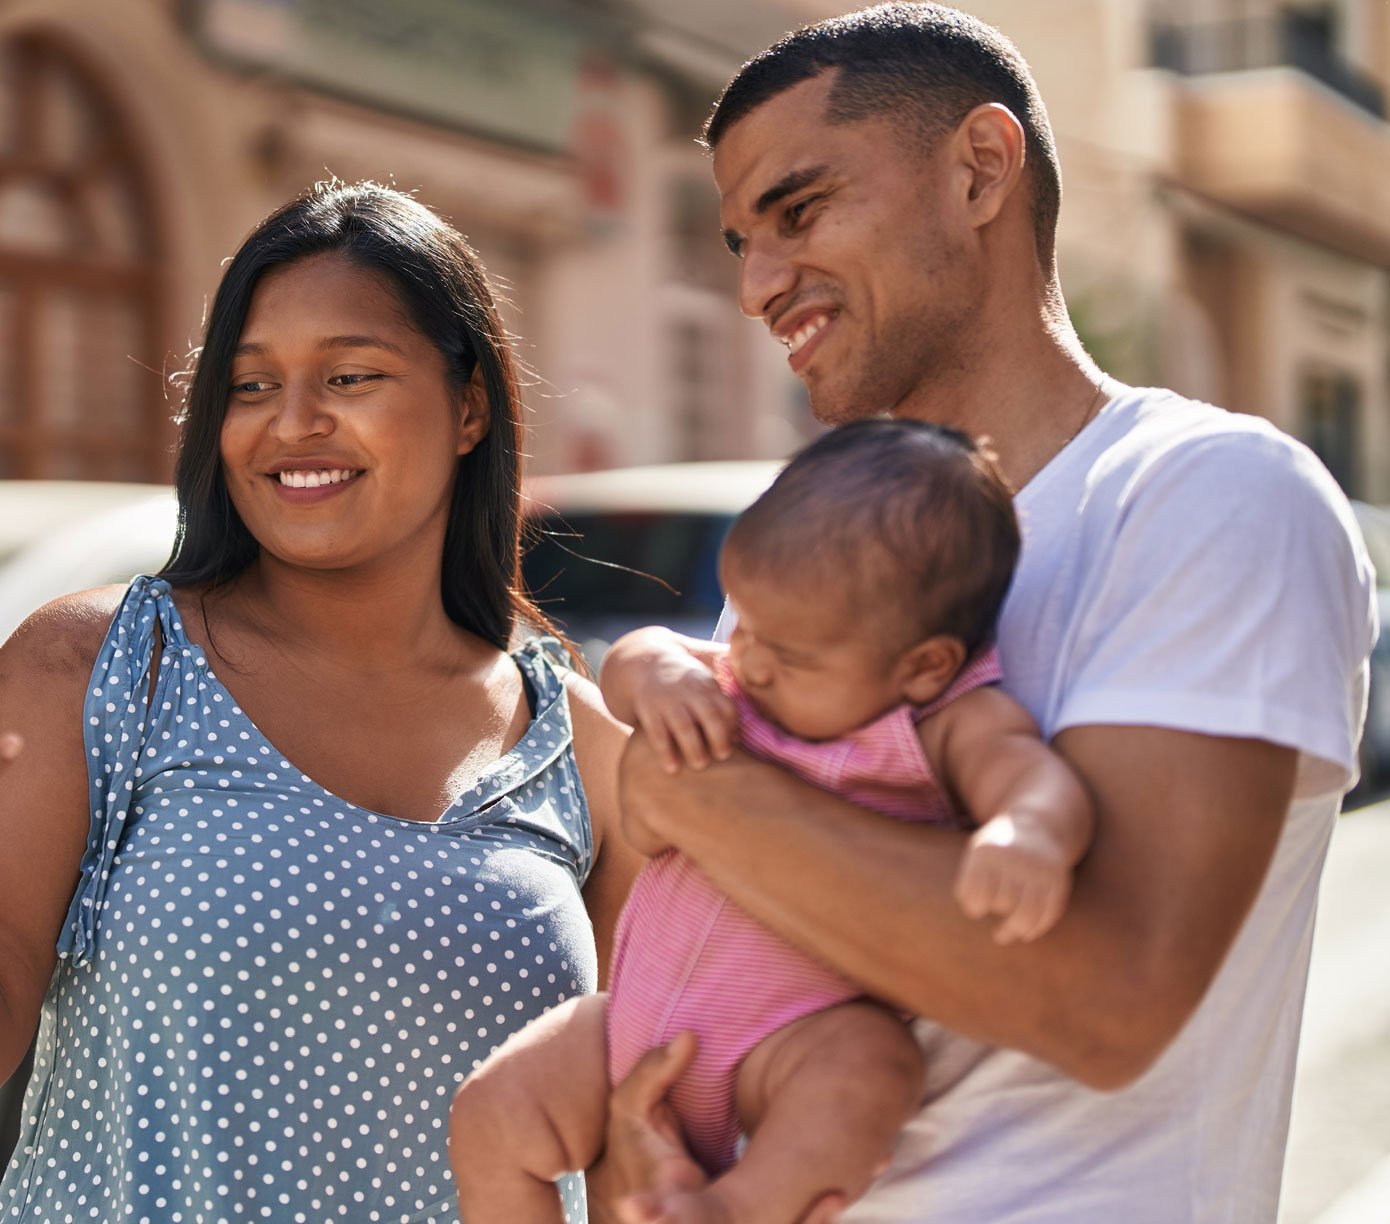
(1189, 625)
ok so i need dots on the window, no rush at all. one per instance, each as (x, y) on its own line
(81, 393)
(1330, 423)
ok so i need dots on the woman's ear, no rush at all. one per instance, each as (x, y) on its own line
(475, 412)
(928, 668)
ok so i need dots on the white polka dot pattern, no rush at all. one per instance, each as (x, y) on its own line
(267, 994)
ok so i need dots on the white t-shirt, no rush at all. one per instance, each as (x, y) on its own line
(1188, 568)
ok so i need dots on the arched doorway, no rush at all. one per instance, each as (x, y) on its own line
(81, 392)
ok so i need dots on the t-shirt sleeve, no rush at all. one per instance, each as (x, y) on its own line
(724, 629)
(1237, 601)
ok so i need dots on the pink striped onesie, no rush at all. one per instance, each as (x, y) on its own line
(686, 957)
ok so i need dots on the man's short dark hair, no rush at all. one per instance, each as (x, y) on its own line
(926, 62)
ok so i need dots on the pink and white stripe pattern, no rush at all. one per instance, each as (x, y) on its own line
(686, 957)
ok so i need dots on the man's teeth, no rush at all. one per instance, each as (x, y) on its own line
(802, 334)
(312, 480)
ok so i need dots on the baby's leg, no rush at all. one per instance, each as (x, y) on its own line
(822, 1101)
(535, 1109)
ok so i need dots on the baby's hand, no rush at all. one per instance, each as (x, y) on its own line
(683, 712)
(1014, 868)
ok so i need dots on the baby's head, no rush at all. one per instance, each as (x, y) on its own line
(866, 576)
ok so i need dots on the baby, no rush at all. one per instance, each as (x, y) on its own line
(866, 583)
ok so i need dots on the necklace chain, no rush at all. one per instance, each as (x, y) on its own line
(1091, 410)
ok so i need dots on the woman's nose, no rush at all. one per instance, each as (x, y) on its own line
(302, 413)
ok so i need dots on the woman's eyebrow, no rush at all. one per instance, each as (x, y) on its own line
(253, 349)
(337, 342)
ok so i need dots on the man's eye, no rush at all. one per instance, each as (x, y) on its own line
(796, 211)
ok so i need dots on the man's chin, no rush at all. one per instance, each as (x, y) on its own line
(843, 411)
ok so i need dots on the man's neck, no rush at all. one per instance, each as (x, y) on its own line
(1028, 400)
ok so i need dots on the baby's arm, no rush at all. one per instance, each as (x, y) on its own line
(1035, 817)
(663, 683)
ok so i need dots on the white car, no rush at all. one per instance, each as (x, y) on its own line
(58, 536)
(609, 551)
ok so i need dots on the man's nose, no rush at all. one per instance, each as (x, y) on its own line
(765, 274)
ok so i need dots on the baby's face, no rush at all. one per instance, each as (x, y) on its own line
(809, 660)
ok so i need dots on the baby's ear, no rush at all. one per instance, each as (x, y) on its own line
(927, 668)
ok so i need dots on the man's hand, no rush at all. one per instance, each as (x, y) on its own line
(644, 1155)
(1014, 868)
(645, 1165)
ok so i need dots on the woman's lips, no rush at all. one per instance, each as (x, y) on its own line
(305, 486)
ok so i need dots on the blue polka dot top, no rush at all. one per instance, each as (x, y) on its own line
(266, 995)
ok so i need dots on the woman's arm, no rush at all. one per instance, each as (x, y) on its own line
(44, 817)
(599, 740)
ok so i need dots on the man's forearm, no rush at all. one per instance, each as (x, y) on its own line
(1098, 997)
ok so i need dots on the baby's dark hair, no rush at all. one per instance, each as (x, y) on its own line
(915, 516)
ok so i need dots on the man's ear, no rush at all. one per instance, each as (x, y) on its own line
(475, 412)
(927, 669)
(991, 147)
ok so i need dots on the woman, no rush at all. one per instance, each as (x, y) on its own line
(306, 842)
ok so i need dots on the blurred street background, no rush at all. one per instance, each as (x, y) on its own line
(1338, 1169)
(1225, 231)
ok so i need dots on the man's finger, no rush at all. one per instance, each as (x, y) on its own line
(11, 745)
(649, 1081)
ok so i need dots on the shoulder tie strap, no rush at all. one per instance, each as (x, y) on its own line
(114, 720)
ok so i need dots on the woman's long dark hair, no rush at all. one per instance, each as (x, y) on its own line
(446, 294)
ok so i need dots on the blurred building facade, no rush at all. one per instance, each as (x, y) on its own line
(1226, 227)
(139, 143)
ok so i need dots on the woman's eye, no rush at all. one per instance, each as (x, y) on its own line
(252, 386)
(352, 380)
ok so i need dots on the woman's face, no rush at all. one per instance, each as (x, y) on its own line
(342, 430)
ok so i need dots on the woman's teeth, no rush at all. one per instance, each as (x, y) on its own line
(312, 480)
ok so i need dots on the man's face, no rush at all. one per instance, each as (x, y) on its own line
(853, 246)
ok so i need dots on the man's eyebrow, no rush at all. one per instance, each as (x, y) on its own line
(252, 349)
(789, 184)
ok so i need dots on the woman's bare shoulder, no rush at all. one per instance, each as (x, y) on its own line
(61, 640)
